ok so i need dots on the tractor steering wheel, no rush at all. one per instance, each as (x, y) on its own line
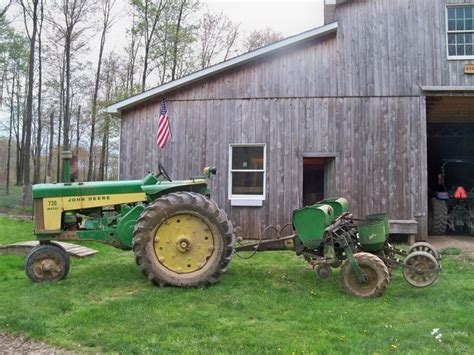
(162, 172)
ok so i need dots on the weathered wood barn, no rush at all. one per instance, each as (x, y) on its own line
(363, 107)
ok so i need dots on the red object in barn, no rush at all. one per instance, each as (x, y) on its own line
(460, 193)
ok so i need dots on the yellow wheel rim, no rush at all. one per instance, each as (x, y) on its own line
(184, 243)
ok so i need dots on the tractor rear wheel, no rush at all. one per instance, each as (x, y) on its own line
(440, 216)
(375, 270)
(183, 239)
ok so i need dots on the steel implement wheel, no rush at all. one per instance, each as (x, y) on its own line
(423, 262)
(323, 271)
(47, 262)
(375, 270)
(440, 216)
(426, 247)
(183, 239)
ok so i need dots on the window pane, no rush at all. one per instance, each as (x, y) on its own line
(451, 25)
(460, 25)
(468, 37)
(460, 12)
(460, 38)
(468, 12)
(469, 50)
(452, 50)
(460, 50)
(451, 13)
(451, 39)
(250, 183)
(469, 25)
(247, 157)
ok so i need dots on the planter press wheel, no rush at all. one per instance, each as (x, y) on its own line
(47, 262)
(183, 239)
(323, 271)
(426, 247)
(423, 262)
(375, 270)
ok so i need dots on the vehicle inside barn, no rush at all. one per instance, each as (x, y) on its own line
(450, 140)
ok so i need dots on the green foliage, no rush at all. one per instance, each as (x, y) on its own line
(14, 48)
(269, 304)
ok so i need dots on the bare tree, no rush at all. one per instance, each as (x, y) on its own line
(217, 36)
(260, 38)
(37, 166)
(107, 22)
(4, 10)
(149, 13)
(49, 172)
(73, 12)
(10, 128)
(30, 10)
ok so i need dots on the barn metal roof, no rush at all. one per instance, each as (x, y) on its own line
(116, 108)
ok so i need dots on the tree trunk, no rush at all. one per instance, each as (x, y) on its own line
(104, 148)
(10, 128)
(77, 130)
(61, 110)
(51, 146)
(19, 170)
(29, 108)
(37, 167)
(176, 40)
(94, 100)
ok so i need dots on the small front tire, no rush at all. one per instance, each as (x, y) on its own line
(47, 262)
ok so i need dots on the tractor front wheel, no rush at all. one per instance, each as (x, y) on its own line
(375, 271)
(47, 262)
(183, 239)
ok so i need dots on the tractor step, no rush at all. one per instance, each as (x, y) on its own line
(23, 248)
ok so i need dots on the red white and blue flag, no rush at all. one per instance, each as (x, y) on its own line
(164, 132)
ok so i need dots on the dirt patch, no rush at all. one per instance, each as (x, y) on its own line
(11, 344)
(464, 243)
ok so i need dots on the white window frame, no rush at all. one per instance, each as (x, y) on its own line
(456, 57)
(247, 200)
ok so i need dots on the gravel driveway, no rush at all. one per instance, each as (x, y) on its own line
(10, 344)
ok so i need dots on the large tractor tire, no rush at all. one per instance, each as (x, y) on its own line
(375, 270)
(183, 239)
(440, 216)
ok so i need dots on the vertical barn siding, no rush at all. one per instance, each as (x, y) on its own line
(374, 170)
(356, 93)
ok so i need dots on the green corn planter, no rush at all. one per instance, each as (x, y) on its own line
(310, 223)
(380, 217)
(372, 234)
(339, 205)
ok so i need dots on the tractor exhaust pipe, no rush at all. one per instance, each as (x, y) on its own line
(66, 156)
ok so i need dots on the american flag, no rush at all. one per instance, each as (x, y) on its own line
(163, 133)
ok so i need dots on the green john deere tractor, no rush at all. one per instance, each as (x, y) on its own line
(180, 237)
(178, 234)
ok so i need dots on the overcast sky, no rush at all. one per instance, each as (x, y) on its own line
(287, 17)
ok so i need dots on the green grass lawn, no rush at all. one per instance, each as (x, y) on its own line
(268, 304)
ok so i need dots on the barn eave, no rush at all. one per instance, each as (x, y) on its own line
(116, 108)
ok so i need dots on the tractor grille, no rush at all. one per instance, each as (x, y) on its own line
(39, 214)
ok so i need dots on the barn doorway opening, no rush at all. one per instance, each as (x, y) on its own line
(314, 172)
(450, 144)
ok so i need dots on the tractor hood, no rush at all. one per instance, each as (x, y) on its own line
(149, 185)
